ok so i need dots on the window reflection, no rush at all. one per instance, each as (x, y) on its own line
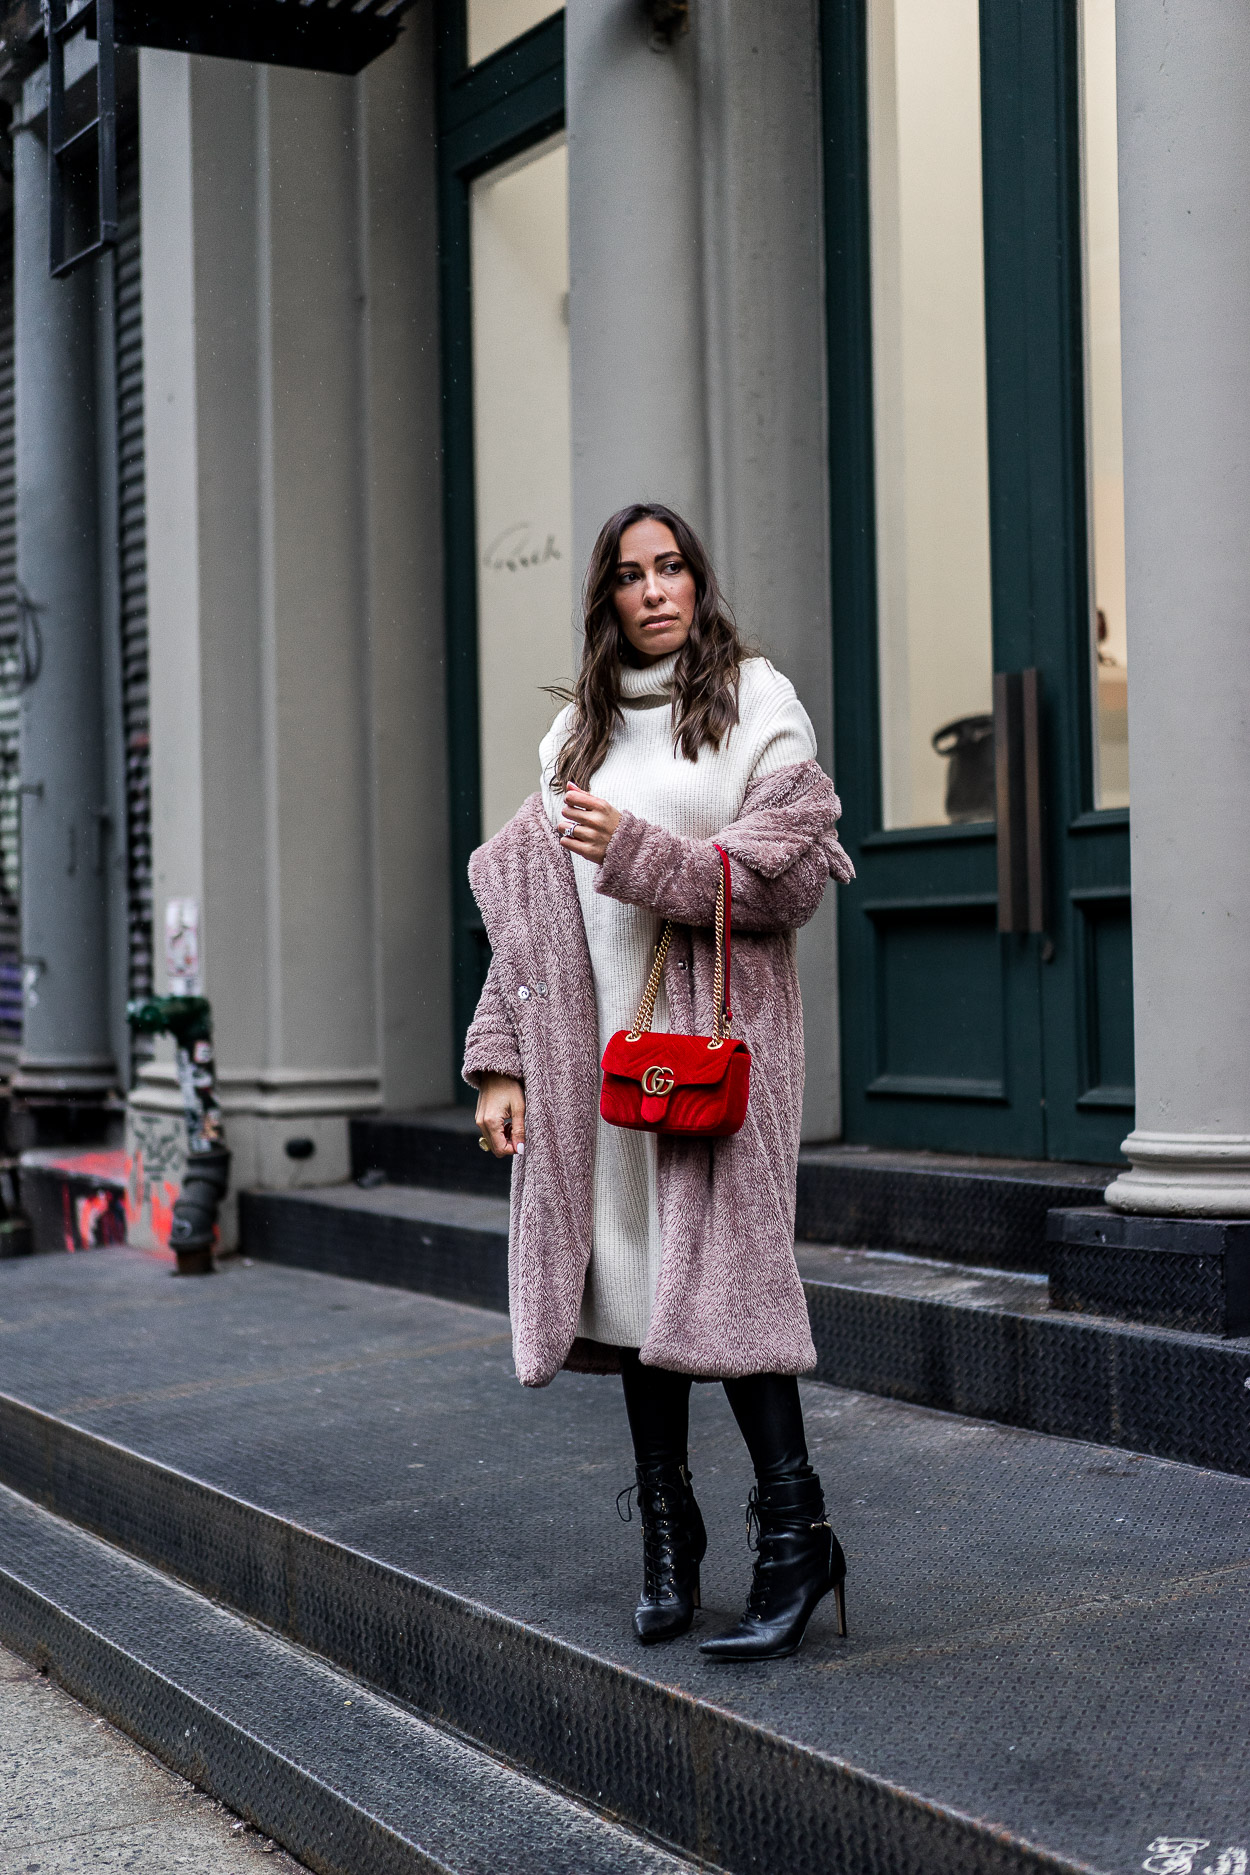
(492, 23)
(1104, 415)
(519, 215)
(933, 548)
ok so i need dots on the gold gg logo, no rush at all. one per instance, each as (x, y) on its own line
(658, 1081)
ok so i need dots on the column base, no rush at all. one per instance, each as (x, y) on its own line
(1184, 1175)
(63, 1102)
(286, 1129)
(1172, 1272)
(65, 1077)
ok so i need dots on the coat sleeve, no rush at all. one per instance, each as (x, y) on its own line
(492, 1045)
(677, 878)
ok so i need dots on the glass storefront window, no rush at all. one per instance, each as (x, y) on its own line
(492, 23)
(519, 241)
(932, 468)
(1104, 419)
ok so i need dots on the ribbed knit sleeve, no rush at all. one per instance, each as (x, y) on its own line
(778, 727)
(548, 755)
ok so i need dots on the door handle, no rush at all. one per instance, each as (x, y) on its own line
(1019, 801)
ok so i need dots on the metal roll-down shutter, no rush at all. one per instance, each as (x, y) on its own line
(10, 675)
(133, 573)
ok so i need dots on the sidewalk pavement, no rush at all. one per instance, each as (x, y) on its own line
(76, 1795)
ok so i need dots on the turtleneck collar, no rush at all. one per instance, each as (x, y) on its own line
(650, 684)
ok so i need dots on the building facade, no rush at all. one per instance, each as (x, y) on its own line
(927, 315)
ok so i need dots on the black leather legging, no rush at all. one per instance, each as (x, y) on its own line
(766, 1407)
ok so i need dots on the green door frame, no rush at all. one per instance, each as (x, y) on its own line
(486, 114)
(1065, 1039)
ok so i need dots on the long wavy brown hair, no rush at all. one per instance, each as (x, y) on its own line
(705, 683)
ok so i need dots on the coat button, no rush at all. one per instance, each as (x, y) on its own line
(524, 992)
(542, 989)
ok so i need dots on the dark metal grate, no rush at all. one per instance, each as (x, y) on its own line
(1184, 1292)
(318, 35)
(10, 678)
(133, 574)
(82, 156)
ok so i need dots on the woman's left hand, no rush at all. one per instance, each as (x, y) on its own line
(587, 824)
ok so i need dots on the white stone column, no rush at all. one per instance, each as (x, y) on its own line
(295, 593)
(402, 416)
(697, 334)
(1183, 72)
(764, 372)
(66, 1060)
(639, 413)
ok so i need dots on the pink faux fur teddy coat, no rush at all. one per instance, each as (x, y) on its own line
(729, 1299)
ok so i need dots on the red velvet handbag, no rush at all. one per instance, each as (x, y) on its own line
(693, 1086)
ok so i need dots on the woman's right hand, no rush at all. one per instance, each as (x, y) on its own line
(500, 1114)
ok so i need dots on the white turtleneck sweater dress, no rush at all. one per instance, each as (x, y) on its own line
(642, 774)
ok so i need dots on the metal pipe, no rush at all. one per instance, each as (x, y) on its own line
(189, 1020)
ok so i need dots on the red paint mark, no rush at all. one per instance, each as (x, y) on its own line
(99, 1219)
(162, 1211)
(109, 1166)
(157, 1198)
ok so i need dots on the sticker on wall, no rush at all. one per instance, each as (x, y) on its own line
(182, 946)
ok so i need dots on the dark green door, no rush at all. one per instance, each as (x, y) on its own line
(491, 113)
(973, 325)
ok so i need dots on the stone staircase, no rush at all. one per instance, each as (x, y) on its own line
(306, 1539)
(296, 1529)
(926, 1279)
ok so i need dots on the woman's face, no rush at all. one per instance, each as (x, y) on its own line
(655, 593)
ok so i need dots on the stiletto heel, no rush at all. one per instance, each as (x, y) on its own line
(698, 1590)
(798, 1560)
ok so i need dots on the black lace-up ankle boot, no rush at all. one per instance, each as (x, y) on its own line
(673, 1544)
(798, 1560)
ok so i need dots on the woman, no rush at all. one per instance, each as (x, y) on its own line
(664, 1259)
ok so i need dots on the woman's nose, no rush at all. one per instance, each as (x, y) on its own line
(654, 593)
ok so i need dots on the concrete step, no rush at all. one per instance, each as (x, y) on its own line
(981, 1343)
(1044, 1670)
(985, 1212)
(434, 1147)
(445, 1243)
(346, 1779)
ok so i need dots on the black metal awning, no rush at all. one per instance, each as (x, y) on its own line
(319, 35)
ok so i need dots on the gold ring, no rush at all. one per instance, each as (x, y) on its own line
(483, 1143)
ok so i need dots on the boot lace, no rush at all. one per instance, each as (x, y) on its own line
(661, 1521)
(759, 1541)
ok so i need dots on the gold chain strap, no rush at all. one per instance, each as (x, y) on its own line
(718, 981)
(646, 1008)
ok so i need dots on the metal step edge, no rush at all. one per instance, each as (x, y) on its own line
(970, 1210)
(201, 1745)
(676, 1769)
(1161, 1391)
(431, 1254)
(310, 1759)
